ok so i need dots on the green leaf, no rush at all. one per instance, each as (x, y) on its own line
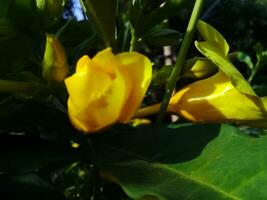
(210, 50)
(143, 22)
(212, 35)
(216, 49)
(161, 76)
(103, 15)
(170, 8)
(261, 60)
(24, 13)
(245, 58)
(162, 161)
(162, 37)
(16, 46)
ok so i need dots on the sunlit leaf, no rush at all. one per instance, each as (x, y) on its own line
(163, 161)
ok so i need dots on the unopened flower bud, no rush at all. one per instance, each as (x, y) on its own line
(55, 65)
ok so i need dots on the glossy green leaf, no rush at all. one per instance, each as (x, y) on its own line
(162, 37)
(261, 55)
(212, 35)
(195, 162)
(245, 58)
(143, 21)
(216, 49)
(103, 15)
(169, 9)
(211, 51)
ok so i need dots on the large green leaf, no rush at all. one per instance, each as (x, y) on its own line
(103, 15)
(154, 161)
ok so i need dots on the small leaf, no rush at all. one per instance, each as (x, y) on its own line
(245, 58)
(161, 76)
(211, 51)
(169, 8)
(216, 49)
(261, 56)
(162, 37)
(212, 35)
(103, 15)
(143, 22)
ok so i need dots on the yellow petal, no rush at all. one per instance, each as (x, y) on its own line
(215, 99)
(83, 64)
(211, 34)
(136, 69)
(105, 60)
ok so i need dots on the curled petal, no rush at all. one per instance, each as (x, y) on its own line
(215, 99)
(137, 69)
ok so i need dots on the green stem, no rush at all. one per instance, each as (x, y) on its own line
(181, 57)
(133, 40)
(63, 28)
(254, 72)
(17, 87)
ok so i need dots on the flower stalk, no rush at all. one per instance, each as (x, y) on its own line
(181, 57)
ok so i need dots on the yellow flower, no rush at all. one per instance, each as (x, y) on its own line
(215, 99)
(55, 65)
(223, 97)
(107, 89)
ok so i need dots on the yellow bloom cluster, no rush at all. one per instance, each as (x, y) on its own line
(110, 88)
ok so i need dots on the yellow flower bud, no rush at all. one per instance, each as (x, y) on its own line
(55, 65)
(199, 68)
(107, 89)
(215, 99)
